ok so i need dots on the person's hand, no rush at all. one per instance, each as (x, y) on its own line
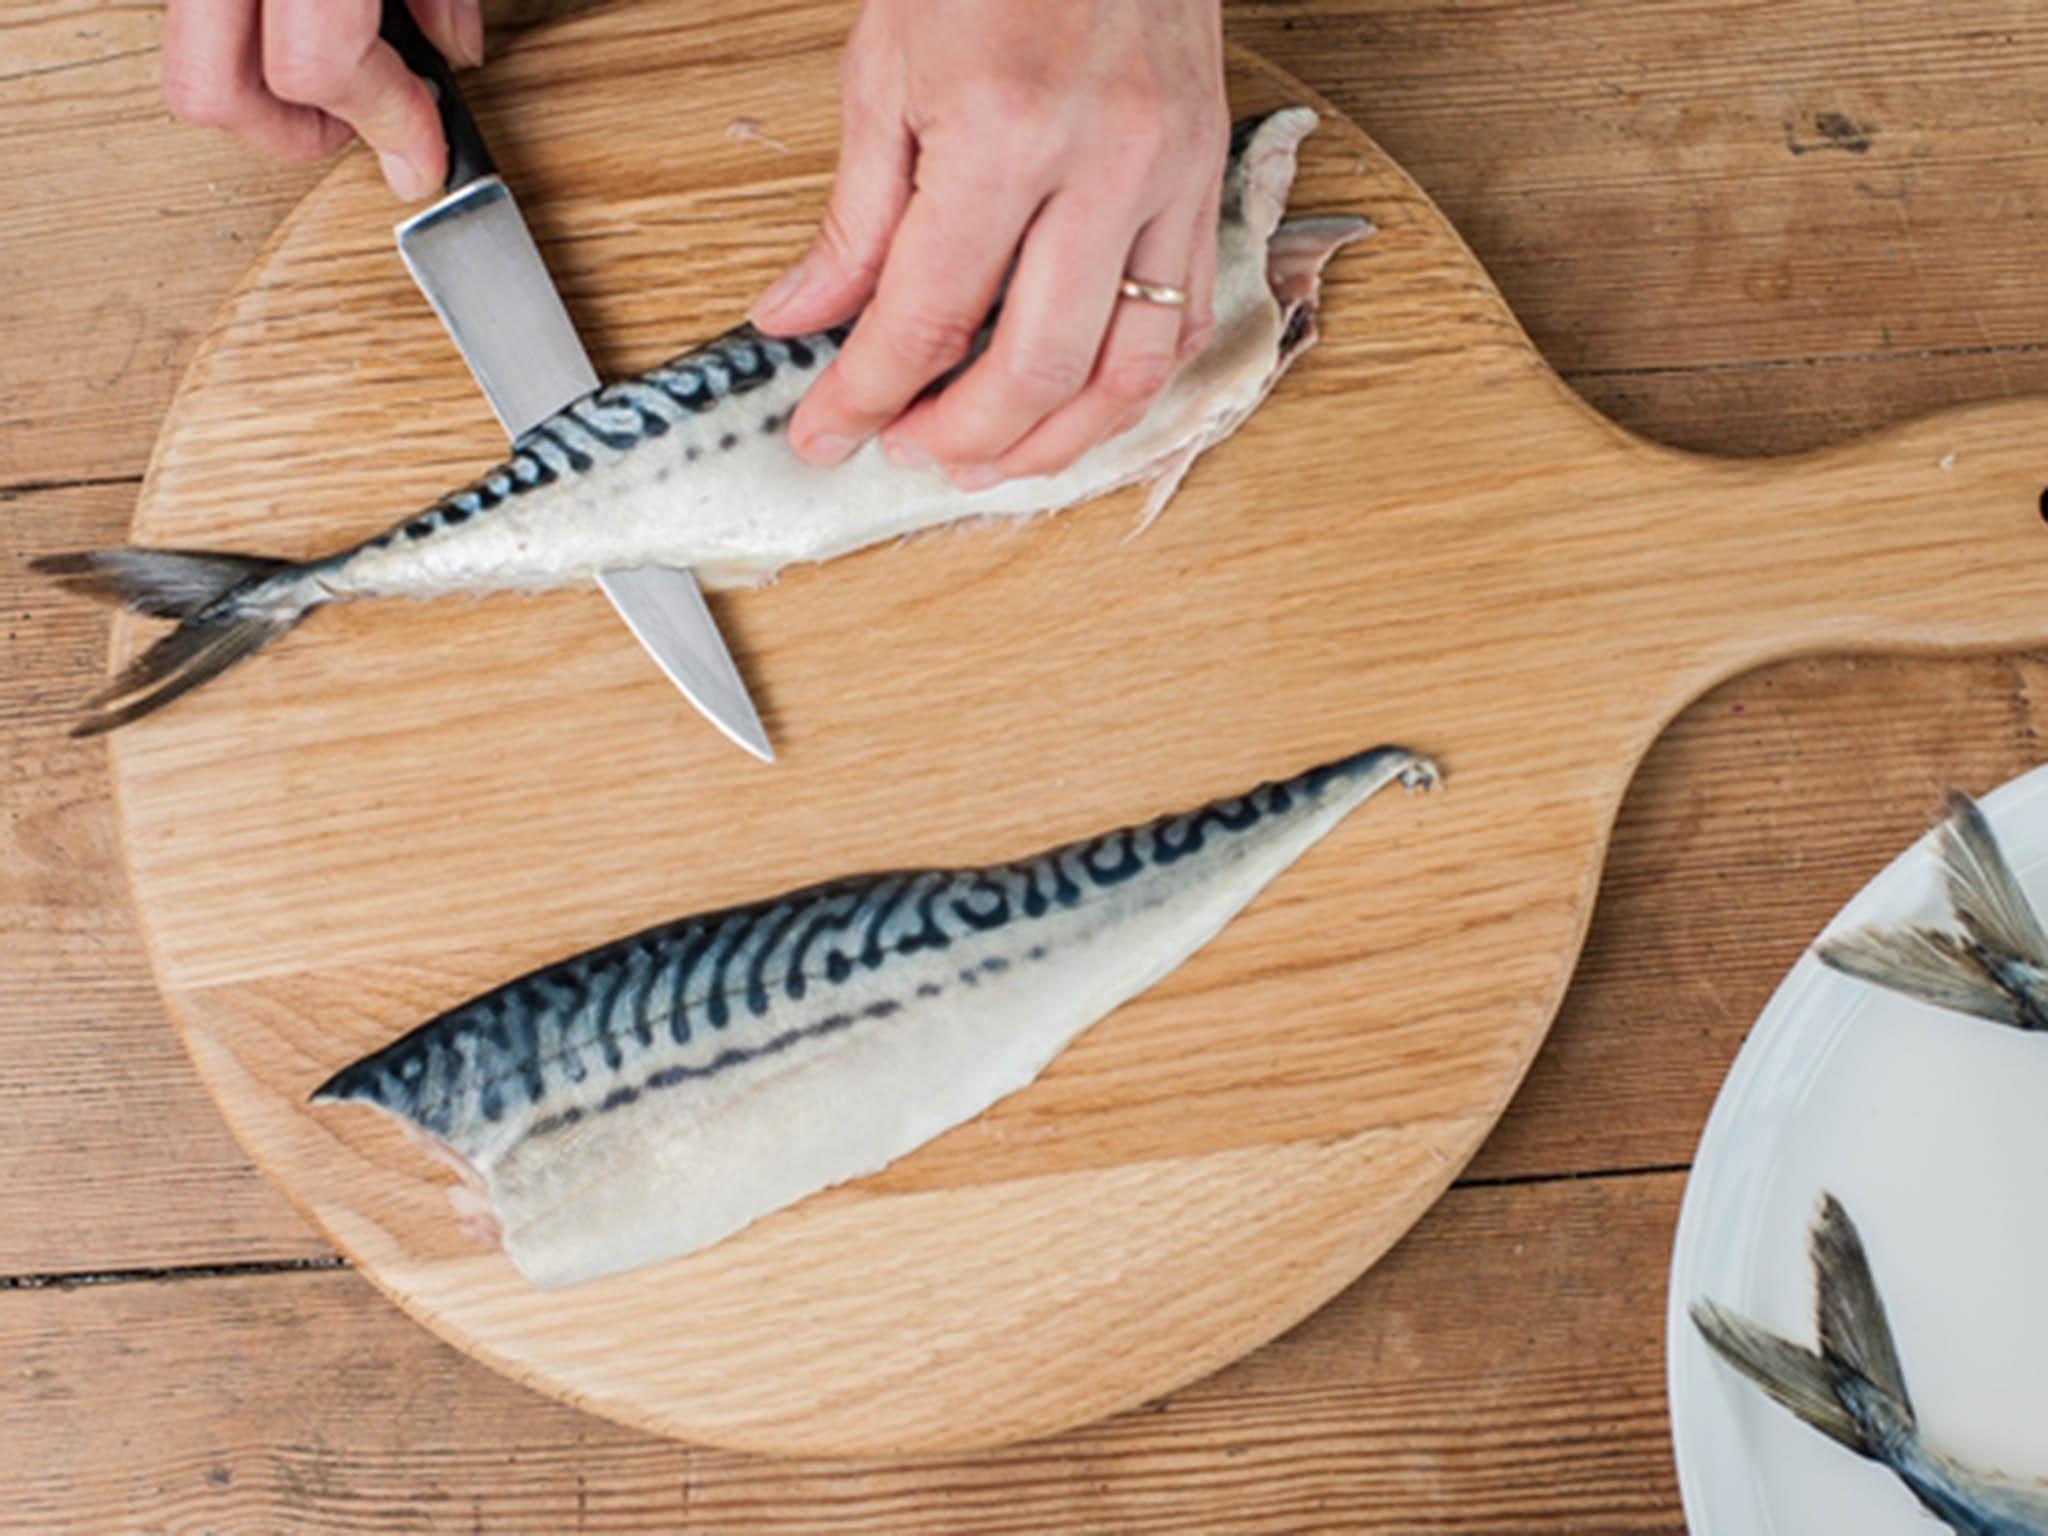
(297, 77)
(1082, 140)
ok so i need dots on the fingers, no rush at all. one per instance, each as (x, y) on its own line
(941, 276)
(326, 54)
(456, 27)
(870, 192)
(1059, 305)
(1138, 358)
(213, 77)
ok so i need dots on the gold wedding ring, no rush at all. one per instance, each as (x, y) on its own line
(1163, 294)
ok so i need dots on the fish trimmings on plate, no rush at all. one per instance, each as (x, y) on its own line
(689, 466)
(1868, 1084)
(647, 1098)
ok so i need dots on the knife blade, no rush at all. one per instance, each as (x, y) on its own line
(474, 259)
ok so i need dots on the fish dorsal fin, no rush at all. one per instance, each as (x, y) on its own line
(1854, 1332)
(1982, 887)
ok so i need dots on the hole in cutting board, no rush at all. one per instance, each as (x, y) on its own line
(2044, 504)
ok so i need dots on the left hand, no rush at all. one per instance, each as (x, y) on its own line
(1059, 146)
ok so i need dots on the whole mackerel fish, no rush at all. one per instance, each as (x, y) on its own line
(689, 466)
(644, 1099)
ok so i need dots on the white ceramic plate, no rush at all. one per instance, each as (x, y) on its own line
(1932, 1129)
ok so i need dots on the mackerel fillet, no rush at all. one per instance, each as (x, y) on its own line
(645, 1099)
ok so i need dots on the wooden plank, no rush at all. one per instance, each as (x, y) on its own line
(1687, 184)
(137, 230)
(1531, 1403)
(115, 1157)
(1622, 170)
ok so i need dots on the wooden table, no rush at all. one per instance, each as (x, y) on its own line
(1743, 228)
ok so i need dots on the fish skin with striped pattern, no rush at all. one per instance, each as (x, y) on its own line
(643, 1100)
(689, 466)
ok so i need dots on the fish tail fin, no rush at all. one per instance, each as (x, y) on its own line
(1925, 964)
(1790, 1375)
(228, 607)
(1852, 1388)
(1949, 969)
(1855, 1334)
(1983, 889)
(158, 583)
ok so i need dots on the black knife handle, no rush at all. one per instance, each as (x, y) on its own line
(468, 158)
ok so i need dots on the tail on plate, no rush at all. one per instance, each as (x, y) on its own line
(1851, 1389)
(1980, 968)
(228, 607)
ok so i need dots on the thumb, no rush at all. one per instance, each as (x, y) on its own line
(838, 273)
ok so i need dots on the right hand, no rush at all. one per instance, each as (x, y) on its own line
(297, 78)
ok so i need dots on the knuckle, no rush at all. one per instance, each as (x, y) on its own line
(302, 74)
(1137, 378)
(1018, 110)
(1047, 373)
(926, 341)
(858, 259)
(1137, 123)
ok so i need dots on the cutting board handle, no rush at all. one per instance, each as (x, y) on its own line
(1928, 536)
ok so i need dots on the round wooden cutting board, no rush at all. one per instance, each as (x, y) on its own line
(1422, 538)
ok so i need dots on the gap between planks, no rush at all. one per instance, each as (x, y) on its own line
(68, 1280)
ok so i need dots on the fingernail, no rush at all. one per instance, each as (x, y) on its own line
(827, 448)
(469, 33)
(406, 179)
(978, 477)
(905, 454)
(780, 292)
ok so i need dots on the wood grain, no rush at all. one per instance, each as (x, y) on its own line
(1621, 170)
(1792, 149)
(113, 1156)
(301, 1402)
(1676, 958)
(1544, 594)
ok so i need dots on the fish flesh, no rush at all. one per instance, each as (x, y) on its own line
(645, 1099)
(689, 466)
(1853, 1390)
(1993, 964)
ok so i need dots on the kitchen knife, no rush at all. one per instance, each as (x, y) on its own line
(472, 257)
